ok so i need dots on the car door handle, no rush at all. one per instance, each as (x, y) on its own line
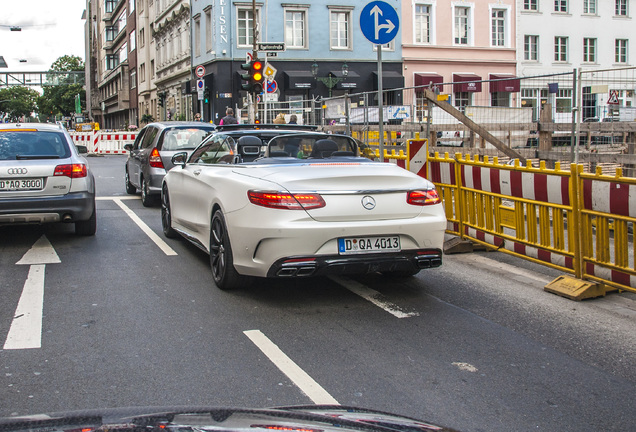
(197, 172)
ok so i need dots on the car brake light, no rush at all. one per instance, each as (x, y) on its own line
(282, 200)
(72, 171)
(155, 159)
(423, 197)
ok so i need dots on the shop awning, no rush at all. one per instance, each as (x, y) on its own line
(390, 80)
(461, 83)
(299, 80)
(509, 83)
(426, 79)
(351, 81)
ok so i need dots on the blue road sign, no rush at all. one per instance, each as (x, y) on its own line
(379, 22)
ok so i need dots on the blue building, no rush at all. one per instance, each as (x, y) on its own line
(324, 34)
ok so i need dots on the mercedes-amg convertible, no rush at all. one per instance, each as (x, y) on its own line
(283, 204)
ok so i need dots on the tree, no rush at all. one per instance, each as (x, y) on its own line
(59, 99)
(17, 102)
(147, 118)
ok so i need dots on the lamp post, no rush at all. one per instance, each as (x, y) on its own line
(330, 80)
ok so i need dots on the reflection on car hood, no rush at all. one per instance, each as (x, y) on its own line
(310, 418)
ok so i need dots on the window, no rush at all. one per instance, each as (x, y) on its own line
(142, 72)
(621, 8)
(589, 50)
(208, 30)
(531, 48)
(462, 100)
(498, 28)
(561, 6)
(422, 23)
(245, 26)
(112, 61)
(500, 99)
(564, 101)
(132, 41)
(197, 37)
(110, 5)
(340, 29)
(152, 68)
(133, 79)
(121, 21)
(560, 49)
(530, 5)
(111, 33)
(461, 25)
(295, 28)
(589, 7)
(123, 53)
(131, 6)
(620, 51)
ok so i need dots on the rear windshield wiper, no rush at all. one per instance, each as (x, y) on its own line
(22, 157)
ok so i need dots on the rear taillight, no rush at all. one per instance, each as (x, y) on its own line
(72, 171)
(282, 200)
(423, 197)
(155, 159)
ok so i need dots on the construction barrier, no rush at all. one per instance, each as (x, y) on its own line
(101, 142)
(575, 222)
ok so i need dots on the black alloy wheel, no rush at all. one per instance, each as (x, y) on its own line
(89, 226)
(221, 262)
(166, 218)
(146, 198)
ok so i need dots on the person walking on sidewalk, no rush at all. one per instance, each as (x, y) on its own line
(229, 117)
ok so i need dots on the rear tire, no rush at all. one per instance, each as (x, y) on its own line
(87, 227)
(166, 217)
(147, 199)
(221, 261)
(130, 188)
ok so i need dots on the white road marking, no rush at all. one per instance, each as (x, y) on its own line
(40, 253)
(145, 228)
(123, 197)
(465, 367)
(26, 327)
(373, 296)
(303, 381)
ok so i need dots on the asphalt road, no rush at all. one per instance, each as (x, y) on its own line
(476, 344)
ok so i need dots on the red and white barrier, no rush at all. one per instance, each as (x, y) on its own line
(104, 142)
(609, 197)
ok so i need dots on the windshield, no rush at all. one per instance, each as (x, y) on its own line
(33, 145)
(177, 139)
(310, 146)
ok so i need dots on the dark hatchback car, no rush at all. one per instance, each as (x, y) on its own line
(149, 157)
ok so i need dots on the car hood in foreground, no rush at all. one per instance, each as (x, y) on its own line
(311, 418)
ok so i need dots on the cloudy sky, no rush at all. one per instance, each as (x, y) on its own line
(50, 29)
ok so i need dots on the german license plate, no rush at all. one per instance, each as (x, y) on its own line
(22, 184)
(362, 245)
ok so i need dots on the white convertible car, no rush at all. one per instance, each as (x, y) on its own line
(299, 205)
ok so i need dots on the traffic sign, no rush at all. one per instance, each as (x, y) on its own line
(379, 22)
(200, 84)
(613, 98)
(200, 71)
(271, 46)
(270, 71)
(272, 86)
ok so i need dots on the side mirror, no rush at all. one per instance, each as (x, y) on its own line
(128, 147)
(179, 159)
(81, 149)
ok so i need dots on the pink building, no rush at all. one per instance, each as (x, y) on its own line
(463, 43)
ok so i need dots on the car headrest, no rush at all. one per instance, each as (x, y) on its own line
(324, 148)
(249, 140)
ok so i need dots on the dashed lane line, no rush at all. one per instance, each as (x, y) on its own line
(303, 381)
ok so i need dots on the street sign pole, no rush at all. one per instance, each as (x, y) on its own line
(380, 104)
(265, 94)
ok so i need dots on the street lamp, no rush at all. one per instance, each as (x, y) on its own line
(330, 80)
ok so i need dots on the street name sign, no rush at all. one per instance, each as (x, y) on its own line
(271, 46)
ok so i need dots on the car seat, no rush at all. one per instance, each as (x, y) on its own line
(323, 148)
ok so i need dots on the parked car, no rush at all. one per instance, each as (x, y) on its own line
(149, 157)
(43, 178)
(309, 206)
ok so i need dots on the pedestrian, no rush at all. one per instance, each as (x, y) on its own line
(197, 117)
(229, 117)
(293, 119)
(280, 119)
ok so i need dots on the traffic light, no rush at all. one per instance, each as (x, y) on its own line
(247, 76)
(206, 95)
(257, 76)
(162, 99)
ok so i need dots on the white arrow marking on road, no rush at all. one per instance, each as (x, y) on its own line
(373, 296)
(26, 328)
(303, 381)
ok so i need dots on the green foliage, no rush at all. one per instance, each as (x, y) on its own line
(59, 99)
(147, 118)
(17, 102)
